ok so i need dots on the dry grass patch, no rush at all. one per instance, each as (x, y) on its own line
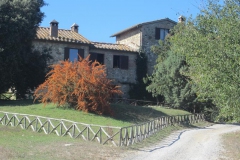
(18, 144)
(231, 142)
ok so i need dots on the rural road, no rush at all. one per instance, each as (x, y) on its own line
(194, 144)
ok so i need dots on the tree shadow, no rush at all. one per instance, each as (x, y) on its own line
(135, 114)
(17, 102)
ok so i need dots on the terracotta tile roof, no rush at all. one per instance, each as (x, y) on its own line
(111, 46)
(73, 37)
(63, 36)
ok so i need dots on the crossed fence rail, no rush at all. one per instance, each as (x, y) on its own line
(118, 136)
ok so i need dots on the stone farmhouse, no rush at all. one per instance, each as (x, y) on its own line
(119, 58)
(144, 35)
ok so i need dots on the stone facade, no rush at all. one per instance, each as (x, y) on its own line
(148, 40)
(143, 35)
(131, 38)
(122, 77)
(57, 48)
(117, 74)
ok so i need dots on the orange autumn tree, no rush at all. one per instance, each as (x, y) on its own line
(82, 85)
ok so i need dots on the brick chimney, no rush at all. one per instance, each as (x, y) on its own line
(74, 27)
(54, 28)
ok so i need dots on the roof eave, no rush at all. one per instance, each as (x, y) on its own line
(125, 30)
(62, 41)
(128, 51)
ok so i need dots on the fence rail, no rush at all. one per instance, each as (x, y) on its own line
(118, 136)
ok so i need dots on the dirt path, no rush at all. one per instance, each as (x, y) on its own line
(195, 144)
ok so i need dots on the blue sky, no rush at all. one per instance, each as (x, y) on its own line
(99, 19)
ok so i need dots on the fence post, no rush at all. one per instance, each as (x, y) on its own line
(131, 135)
(120, 137)
(126, 136)
(73, 130)
(100, 135)
(5, 121)
(48, 126)
(36, 124)
(88, 133)
(25, 122)
(160, 123)
(61, 126)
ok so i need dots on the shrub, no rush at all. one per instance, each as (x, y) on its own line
(82, 85)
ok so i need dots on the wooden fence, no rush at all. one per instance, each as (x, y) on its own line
(118, 136)
(137, 133)
(62, 127)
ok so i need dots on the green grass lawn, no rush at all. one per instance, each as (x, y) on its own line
(124, 115)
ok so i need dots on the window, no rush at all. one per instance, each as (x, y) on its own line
(120, 62)
(97, 57)
(73, 54)
(160, 33)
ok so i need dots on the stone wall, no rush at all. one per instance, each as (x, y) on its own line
(121, 77)
(131, 38)
(148, 40)
(58, 49)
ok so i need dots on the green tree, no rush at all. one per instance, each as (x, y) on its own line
(168, 80)
(19, 20)
(211, 44)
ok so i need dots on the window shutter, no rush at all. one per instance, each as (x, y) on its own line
(124, 62)
(80, 53)
(157, 33)
(93, 57)
(66, 54)
(116, 60)
(100, 58)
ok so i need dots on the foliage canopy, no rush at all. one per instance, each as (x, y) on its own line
(19, 64)
(169, 81)
(211, 45)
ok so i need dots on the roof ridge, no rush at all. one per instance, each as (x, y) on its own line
(58, 29)
(108, 43)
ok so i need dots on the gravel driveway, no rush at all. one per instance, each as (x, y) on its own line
(194, 144)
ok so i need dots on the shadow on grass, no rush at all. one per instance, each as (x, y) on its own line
(135, 114)
(17, 102)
